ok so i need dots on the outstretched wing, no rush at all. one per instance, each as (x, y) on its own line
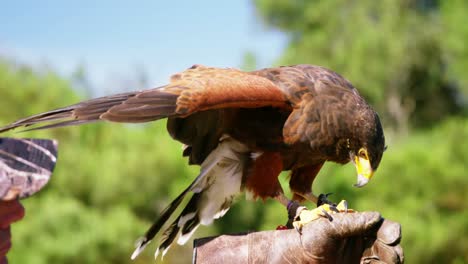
(196, 89)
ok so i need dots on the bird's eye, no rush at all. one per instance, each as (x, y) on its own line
(362, 153)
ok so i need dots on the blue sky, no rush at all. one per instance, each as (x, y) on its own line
(114, 38)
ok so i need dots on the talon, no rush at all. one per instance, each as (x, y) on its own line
(326, 214)
(334, 209)
(298, 227)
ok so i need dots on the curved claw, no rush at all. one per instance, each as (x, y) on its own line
(327, 215)
(334, 209)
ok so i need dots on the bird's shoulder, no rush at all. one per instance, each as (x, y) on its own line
(297, 80)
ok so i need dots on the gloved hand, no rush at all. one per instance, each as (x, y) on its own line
(10, 211)
(350, 238)
(25, 167)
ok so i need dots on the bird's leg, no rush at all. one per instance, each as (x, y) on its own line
(308, 196)
(293, 207)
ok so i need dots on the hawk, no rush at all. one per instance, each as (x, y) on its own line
(243, 129)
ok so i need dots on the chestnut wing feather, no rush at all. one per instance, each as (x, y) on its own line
(202, 88)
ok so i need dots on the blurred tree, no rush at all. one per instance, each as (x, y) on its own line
(454, 39)
(249, 62)
(80, 80)
(390, 50)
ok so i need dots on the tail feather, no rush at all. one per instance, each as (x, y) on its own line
(167, 238)
(213, 192)
(55, 125)
(186, 227)
(156, 226)
(189, 219)
(131, 107)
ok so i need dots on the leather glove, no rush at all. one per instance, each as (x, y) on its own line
(350, 238)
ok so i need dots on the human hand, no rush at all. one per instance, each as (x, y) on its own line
(25, 168)
(10, 211)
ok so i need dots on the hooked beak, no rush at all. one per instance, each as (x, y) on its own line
(364, 171)
(361, 181)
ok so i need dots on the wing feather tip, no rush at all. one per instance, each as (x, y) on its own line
(140, 245)
(183, 238)
(162, 249)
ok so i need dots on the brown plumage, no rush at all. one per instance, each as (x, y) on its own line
(286, 118)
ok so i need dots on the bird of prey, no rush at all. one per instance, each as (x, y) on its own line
(243, 129)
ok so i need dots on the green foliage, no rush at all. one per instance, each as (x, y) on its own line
(392, 51)
(61, 229)
(453, 19)
(249, 62)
